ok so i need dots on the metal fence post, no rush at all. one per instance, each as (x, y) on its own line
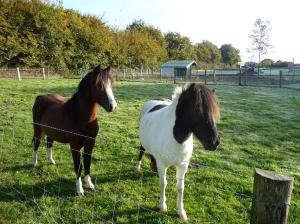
(280, 78)
(271, 197)
(205, 77)
(240, 77)
(18, 73)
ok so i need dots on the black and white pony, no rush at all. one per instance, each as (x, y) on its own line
(166, 133)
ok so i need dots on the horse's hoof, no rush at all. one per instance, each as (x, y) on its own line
(90, 186)
(51, 161)
(163, 210)
(80, 193)
(34, 163)
(183, 217)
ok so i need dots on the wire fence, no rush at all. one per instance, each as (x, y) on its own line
(9, 136)
(271, 77)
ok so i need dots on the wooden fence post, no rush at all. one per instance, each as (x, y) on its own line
(44, 76)
(280, 78)
(271, 197)
(205, 77)
(18, 73)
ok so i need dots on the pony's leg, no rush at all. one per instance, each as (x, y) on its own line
(180, 174)
(139, 160)
(49, 151)
(36, 142)
(77, 168)
(162, 172)
(87, 157)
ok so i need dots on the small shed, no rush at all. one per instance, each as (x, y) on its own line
(178, 68)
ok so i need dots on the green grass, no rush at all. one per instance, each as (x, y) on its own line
(259, 127)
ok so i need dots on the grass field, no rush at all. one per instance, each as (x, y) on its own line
(259, 127)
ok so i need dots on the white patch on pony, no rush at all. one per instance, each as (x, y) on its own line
(49, 156)
(88, 182)
(34, 158)
(138, 166)
(79, 188)
(110, 96)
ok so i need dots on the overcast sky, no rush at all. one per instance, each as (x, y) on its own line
(219, 21)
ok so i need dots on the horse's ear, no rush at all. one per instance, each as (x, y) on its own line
(107, 69)
(97, 69)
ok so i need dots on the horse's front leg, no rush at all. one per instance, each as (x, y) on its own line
(75, 149)
(87, 157)
(162, 172)
(180, 174)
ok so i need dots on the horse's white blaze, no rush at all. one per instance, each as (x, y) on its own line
(49, 156)
(79, 187)
(110, 96)
(34, 158)
(156, 135)
(88, 182)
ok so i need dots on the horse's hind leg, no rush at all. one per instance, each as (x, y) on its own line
(49, 151)
(36, 142)
(140, 156)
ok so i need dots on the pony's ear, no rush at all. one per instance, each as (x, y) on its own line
(97, 69)
(107, 69)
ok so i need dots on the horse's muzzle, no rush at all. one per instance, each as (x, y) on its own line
(112, 106)
(213, 146)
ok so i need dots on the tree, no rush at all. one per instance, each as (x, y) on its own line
(179, 47)
(260, 38)
(267, 63)
(208, 53)
(230, 55)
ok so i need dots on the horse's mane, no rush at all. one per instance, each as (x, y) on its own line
(205, 99)
(97, 77)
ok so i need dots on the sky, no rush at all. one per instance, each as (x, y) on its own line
(219, 21)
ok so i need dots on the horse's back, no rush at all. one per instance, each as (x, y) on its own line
(154, 105)
(44, 102)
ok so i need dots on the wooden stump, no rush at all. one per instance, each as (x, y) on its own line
(271, 197)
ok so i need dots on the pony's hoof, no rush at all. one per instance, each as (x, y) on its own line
(80, 193)
(34, 163)
(183, 216)
(88, 182)
(51, 161)
(163, 210)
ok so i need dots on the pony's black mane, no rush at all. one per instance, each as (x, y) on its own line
(97, 77)
(196, 101)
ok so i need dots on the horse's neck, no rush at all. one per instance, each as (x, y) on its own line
(87, 111)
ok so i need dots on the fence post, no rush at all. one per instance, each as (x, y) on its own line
(205, 77)
(18, 73)
(280, 78)
(160, 74)
(44, 76)
(214, 75)
(240, 77)
(271, 197)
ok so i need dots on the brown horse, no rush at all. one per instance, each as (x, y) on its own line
(74, 121)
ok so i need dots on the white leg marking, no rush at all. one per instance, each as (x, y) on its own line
(180, 174)
(162, 171)
(34, 158)
(111, 97)
(49, 156)
(88, 182)
(79, 188)
(138, 166)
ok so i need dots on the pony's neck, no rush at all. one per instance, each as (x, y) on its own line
(87, 110)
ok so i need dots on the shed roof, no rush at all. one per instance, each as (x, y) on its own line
(179, 64)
